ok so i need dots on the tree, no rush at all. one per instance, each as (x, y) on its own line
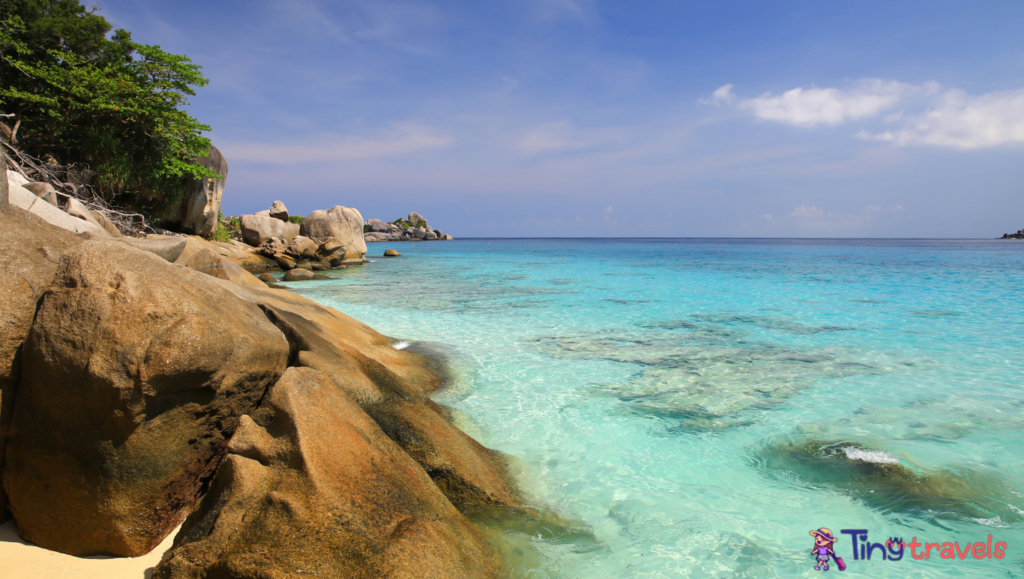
(78, 96)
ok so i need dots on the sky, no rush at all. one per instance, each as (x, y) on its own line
(627, 118)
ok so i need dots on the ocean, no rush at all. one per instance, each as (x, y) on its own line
(696, 407)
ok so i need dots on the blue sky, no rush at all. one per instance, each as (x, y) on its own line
(626, 118)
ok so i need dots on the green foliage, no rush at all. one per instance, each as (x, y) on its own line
(366, 229)
(421, 223)
(296, 219)
(113, 104)
(222, 234)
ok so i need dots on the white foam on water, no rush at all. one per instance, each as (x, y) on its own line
(876, 456)
(400, 345)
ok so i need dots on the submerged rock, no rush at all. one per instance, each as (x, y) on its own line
(888, 482)
(134, 375)
(391, 253)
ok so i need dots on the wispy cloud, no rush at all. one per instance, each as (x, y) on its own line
(401, 139)
(552, 137)
(807, 212)
(965, 122)
(931, 116)
(813, 106)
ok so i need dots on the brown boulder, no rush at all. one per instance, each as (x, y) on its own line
(322, 491)
(302, 247)
(32, 248)
(302, 274)
(168, 247)
(391, 253)
(134, 376)
(210, 263)
(392, 386)
(279, 211)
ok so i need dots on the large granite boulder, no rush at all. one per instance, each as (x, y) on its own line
(241, 254)
(279, 211)
(258, 228)
(28, 261)
(342, 223)
(133, 377)
(303, 247)
(167, 247)
(415, 218)
(393, 387)
(319, 490)
(210, 263)
(200, 207)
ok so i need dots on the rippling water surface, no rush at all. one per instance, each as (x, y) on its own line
(696, 407)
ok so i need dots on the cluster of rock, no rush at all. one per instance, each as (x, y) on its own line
(131, 386)
(1018, 235)
(325, 240)
(413, 228)
(41, 200)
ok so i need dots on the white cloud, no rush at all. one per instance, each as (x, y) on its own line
(401, 139)
(722, 96)
(929, 115)
(807, 212)
(964, 122)
(809, 107)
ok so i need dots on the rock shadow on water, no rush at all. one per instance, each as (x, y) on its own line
(890, 483)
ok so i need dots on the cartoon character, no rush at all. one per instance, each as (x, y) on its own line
(823, 541)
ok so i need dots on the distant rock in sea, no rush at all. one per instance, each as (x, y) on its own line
(412, 228)
(1018, 235)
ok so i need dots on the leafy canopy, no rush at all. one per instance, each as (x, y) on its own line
(115, 104)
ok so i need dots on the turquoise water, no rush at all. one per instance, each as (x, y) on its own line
(699, 406)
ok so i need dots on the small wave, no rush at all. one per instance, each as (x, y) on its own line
(400, 345)
(875, 456)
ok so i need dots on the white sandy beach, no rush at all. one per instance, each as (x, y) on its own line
(22, 560)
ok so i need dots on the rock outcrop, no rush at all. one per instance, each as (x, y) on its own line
(142, 385)
(134, 375)
(343, 224)
(412, 228)
(391, 253)
(1018, 235)
(318, 471)
(28, 262)
(200, 206)
(256, 229)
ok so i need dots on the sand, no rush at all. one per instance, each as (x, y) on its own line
(21, 560)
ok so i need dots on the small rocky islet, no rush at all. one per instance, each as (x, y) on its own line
(151, 383)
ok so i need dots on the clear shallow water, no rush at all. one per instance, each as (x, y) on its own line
(701, 405)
